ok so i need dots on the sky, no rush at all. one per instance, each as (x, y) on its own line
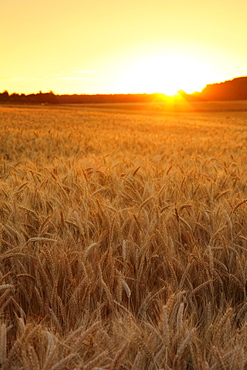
(115, 46)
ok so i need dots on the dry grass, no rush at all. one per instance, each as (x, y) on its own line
(123, 240)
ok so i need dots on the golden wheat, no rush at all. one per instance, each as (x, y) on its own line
(126, 248)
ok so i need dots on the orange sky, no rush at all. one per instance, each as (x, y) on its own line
(111, 46)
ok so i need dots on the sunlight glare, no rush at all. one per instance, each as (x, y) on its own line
(166, 74)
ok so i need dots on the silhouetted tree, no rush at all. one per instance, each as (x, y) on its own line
(4, 96)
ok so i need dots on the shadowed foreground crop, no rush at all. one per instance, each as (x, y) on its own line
(123, 240)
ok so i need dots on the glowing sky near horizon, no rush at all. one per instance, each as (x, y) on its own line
(96, 46)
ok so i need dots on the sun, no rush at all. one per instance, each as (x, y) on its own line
(167, 73)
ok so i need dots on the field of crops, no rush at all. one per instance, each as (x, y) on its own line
(123, 239)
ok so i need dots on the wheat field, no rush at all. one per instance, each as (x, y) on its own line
(123, 239)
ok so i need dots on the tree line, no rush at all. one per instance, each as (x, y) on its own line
(51, 98)
(235, 89)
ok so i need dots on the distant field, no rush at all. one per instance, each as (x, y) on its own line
(172, 105)
(123, 237)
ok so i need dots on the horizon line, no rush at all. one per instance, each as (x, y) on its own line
(123, 93)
